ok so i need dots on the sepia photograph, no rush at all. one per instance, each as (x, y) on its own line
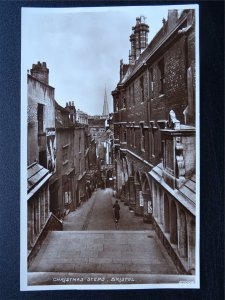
(109, 190)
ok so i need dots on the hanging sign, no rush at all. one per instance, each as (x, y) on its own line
(51, 149)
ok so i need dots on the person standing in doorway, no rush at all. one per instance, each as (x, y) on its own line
(116, 211)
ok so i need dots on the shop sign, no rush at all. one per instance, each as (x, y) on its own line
(67, 197)
(150, 207)
(141, 198)
(51, 149)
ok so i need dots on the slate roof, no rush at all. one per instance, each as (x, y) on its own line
(35, 174)
(189, 189)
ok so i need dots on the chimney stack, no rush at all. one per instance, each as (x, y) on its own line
(40, 72)
(132, 55)
(138, 38)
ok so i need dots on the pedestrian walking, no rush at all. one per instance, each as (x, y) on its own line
(116, 207)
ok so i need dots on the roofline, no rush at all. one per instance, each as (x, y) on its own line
(154, 50)
(34, 78)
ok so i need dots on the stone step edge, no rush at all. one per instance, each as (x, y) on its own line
(104, 231)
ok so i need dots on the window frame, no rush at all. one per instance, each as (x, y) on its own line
(161, 67)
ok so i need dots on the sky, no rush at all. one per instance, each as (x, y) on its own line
(83, 48)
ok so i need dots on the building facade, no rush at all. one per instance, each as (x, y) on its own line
(81, 117)
(61, 158)
(41, 158)
(154, 132)
(41, 116)
(69, 187)
(96, 125)
(62, 182)
(101, 130)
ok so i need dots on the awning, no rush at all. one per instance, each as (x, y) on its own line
(186, 195)
(86, 152)
(68, 172)
(37, 175)
(81, 176)
(189, 189)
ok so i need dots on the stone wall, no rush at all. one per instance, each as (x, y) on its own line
(52, 224)
(38, 93)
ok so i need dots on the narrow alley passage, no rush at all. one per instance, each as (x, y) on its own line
(97, 214)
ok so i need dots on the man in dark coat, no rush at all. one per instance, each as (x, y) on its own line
(116, 210)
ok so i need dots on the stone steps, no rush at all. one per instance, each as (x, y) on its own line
(105, 252)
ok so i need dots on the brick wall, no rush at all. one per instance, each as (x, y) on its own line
(176, 84)
(137, 112)
(164, 82)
